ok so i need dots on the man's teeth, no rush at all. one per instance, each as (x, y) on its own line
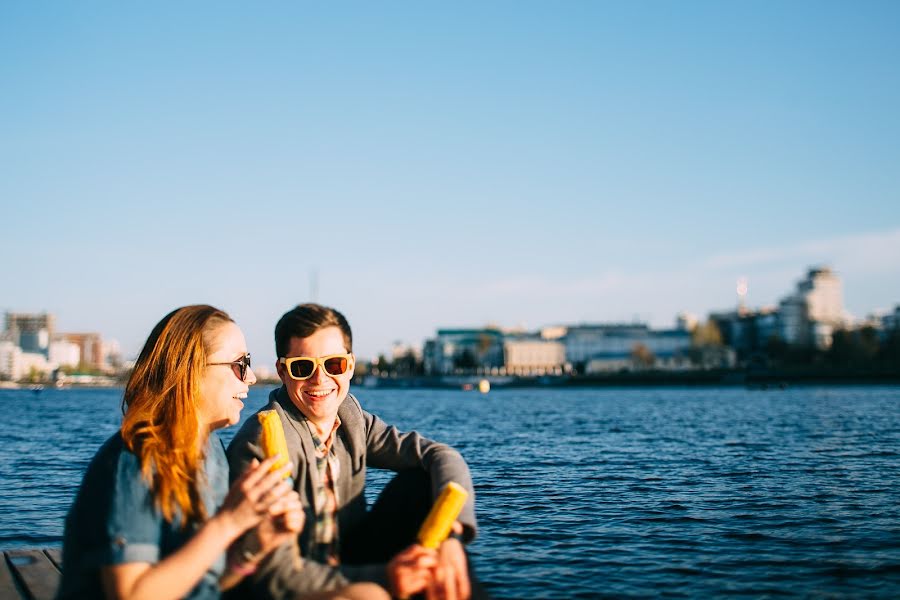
(319, 393)
(240, 396)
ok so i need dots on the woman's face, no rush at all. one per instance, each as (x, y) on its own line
(221, 390)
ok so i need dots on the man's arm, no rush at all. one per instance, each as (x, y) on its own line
(388, 448)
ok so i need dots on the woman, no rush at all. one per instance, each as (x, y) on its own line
(154, 516)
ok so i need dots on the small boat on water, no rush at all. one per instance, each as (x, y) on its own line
(483, 386)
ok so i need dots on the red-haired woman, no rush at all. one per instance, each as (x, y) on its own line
(154, 515)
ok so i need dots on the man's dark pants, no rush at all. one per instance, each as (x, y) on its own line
(393, 522)
(389, 527)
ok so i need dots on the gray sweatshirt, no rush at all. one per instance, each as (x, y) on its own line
(363, 440)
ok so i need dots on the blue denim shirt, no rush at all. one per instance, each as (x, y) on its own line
(114, 520)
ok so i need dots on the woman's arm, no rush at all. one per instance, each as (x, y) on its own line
(248, 501)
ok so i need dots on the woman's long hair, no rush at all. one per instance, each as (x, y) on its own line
(161, 406)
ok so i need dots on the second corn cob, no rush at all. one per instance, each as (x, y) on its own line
(446, 508)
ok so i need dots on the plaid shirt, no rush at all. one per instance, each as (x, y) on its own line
(329, 469)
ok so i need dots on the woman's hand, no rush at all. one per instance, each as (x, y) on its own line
(254, 495)
(284, 521)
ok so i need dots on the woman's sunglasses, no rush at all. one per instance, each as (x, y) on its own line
(304, 367)
(239, 366)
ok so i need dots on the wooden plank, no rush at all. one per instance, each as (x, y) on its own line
(8, 588)
(55, 556)
(36, 572)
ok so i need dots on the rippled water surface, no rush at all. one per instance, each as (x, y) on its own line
(592, 493)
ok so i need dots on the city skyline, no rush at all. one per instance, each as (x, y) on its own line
(681, 320)
(440, 166)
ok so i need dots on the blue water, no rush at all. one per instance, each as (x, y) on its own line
(590, 493)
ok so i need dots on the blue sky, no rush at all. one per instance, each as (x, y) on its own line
(443, 164)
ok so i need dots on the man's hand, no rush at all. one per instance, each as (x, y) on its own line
(451, 576)
(411, 571)
(441, 574)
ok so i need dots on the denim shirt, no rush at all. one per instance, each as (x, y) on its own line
(114, 520)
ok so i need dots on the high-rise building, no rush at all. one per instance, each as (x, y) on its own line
(810, 315)
(31, 332)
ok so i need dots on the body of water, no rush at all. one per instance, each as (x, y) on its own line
(591, 493)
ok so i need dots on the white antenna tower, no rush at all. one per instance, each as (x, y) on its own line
(742, 288)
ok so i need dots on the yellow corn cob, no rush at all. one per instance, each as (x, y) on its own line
(446, 508)
(271, 438)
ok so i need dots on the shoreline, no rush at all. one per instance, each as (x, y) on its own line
(768, 379)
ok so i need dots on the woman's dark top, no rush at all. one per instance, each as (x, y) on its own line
(114, 520)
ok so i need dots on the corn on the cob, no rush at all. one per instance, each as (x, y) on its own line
(271, 438)
(446, 508)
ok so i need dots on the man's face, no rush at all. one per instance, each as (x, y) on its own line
(319, 396)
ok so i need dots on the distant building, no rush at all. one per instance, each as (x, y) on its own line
(65, 354)
(532, 355)
(32, 332)
(613, 347)
(891, 321)
(810, 315)
(748, 332)
(33, 362)
(10, 361)
(493, 351)
(686, 321)
(610, 362)
(112, 355)
(554, 332)
(90, 347)
(464, 351)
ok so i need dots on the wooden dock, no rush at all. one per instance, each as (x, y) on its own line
(30, 574)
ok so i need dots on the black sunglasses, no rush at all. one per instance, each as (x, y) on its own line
(242, 364)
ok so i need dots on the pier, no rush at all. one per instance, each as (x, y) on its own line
(30, 574)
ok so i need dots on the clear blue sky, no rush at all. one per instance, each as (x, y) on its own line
(443, 164)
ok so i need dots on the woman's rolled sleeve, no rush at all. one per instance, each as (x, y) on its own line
(133, 524)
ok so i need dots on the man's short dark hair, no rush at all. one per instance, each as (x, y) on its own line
(304, 320)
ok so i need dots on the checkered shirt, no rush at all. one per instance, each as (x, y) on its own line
(328, 467)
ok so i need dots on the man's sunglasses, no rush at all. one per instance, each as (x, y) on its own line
(304, 367)
(239, 366)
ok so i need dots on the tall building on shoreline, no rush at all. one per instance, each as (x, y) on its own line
(32, 332)
(811, 314)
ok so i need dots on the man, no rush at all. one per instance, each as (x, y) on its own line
(331, 440)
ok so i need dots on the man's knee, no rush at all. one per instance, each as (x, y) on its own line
(394, 520)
